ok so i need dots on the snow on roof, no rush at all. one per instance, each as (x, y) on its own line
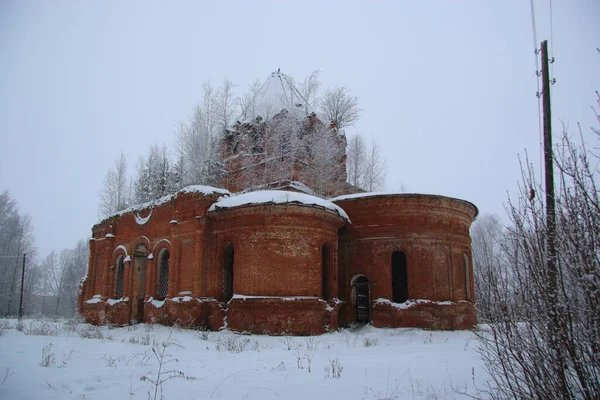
(276, 197)
(361, 195)
(375, 194)
(201, 189)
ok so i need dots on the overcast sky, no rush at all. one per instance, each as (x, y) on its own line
(447, 87)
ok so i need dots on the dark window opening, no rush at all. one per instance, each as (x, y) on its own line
(228, 272)
(325, 272)
(119, 280)
(163, 274)
(399, 277)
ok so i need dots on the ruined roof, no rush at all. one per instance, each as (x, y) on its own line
(201, 189)
(277, 197)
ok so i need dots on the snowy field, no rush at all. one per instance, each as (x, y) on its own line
(71, 360)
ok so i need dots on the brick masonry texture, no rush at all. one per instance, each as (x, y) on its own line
(291, 268)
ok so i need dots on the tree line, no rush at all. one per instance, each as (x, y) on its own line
(51, 285)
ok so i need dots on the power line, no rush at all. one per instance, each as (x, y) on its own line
(537, 80)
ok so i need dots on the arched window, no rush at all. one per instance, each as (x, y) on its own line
(467, 278)
(325, 271)
(399, 277)
(119, 278)
(228, 272)
(163, 274)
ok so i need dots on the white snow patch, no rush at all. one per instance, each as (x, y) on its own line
(361, 195)
(404, 364)
(181, 299)
(127, 259)
(97, 298)
(411, 303)
(109, 235)
(173, 221)
(150, 256)
(155, 303)
(277, 197)
(142, 220)
(112, 302)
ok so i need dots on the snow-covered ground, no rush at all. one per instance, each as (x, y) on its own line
(70, 360)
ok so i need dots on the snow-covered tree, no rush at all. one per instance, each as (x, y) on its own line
(339, 107)
(542, 339)
(115, 194)
(375, 169)
(154, 178)
(366, 168)
(357, 160)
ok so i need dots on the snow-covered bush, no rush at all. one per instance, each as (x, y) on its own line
(334, 369)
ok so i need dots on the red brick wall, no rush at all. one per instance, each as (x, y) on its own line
(277, 248)
(433, 233)
(278, 252)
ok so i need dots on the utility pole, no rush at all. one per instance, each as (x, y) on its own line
(549, 174)
(556, 330)
(22, 285)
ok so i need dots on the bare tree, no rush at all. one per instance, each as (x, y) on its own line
(339, 107)
(309, 90)
(539, 345)
(248, 101)
(357, 160)
(196, 137)
(375, 169)
(225, 109)
(115, 191)
(16, 238)
(489, 266)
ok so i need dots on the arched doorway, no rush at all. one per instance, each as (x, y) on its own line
(361, 298)
(140, 257)
(228, 272)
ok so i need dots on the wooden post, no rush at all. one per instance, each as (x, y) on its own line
(549, 175)
(22, 285)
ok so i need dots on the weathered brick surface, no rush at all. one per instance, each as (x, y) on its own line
(278, 252)
(278, 316)
(427, 316)
(433, 233)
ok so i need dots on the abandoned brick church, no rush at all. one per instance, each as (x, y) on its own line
(281, 260)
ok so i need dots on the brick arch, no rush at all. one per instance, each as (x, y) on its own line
(121, 248)
(140, 240)
(119, 251)
(161, 244)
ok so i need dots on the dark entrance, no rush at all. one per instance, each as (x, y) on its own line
(139, 282)
(399, 277)
(228, 272)
(361, 287)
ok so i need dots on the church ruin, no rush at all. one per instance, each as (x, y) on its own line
(276, 258)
